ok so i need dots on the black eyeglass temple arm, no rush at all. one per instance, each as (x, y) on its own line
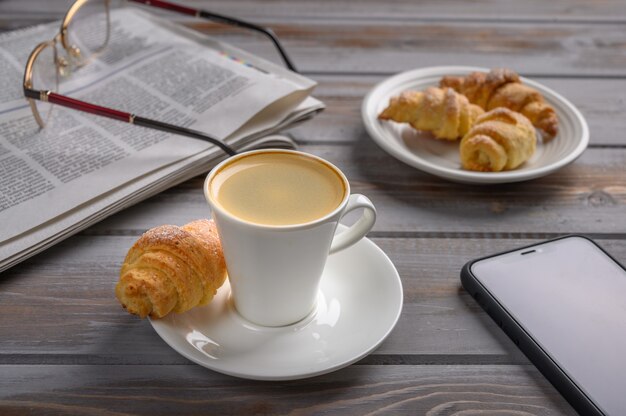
(222, 19)
(247, 25)
(170, 128)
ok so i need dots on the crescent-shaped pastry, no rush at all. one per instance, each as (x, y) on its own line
(444, 112)
(500, 140)
(172, 268)
(503, 88)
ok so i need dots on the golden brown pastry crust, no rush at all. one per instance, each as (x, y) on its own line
(500, 140)
(445, 113)
(172, 268)
(206, 232)
(502, 87)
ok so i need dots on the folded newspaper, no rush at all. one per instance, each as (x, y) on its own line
(81, 168)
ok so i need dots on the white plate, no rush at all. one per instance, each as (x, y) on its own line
(359, 303)
(441, 158)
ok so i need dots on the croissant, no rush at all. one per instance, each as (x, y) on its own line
(503, 88)
(447, 114)
(501, 139)
(172, 268)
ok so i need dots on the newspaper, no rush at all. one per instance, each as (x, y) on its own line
(82, 168)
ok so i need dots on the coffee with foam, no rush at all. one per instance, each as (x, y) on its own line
(278, 189)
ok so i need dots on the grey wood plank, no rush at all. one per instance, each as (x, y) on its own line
(585, 197)
(384, 47)
(59, 307)
(554, 11)
(600, 101)
(388, 47)
(357, 390)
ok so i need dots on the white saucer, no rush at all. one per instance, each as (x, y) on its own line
(441, 158)
(359, 303)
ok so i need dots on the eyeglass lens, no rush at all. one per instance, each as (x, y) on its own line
(45, 77)
(88, 31)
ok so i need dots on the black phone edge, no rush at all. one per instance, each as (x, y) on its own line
(548, 367)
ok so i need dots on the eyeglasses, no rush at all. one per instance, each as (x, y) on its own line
(87, 23)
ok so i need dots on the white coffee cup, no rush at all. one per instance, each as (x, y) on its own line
(275, 270)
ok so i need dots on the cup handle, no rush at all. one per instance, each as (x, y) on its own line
(358, 230)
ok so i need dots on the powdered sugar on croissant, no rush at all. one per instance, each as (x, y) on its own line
(172, 268)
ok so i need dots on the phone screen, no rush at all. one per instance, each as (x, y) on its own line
(570, 297)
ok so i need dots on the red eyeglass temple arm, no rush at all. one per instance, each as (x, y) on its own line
(222, 19)
(86, 107)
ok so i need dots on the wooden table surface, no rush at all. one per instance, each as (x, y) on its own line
(66, 346)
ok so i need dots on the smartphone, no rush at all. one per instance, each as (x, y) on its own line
(563, 302)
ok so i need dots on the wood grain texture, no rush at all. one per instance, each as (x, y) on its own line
(388, 46)
(359, 390)
(585, 197)
(535, 10)
(67, 347)
(59, 307)
(573, 49)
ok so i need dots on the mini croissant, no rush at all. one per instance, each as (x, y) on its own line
(501, 139)
(503, 88)
(447, 114)
(172, 268)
